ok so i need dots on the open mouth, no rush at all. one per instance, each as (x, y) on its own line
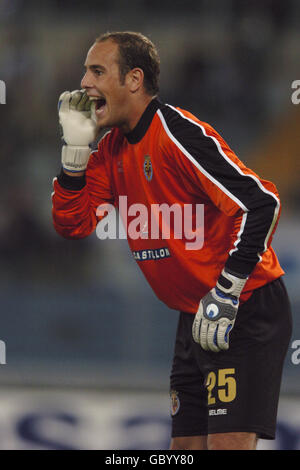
(100, 103)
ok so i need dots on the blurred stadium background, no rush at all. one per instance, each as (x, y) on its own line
(88, 346)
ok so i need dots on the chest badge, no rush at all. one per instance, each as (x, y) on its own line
(148, 169)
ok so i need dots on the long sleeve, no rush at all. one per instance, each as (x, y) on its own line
(207, 164)
(76, 199)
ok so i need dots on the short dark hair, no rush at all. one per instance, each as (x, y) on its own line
(136, 50)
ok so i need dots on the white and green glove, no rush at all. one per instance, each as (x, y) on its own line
(217, 312)
(79, 129)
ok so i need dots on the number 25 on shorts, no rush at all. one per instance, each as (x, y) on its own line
(222, 385)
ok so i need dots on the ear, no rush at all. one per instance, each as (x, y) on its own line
(135, 79)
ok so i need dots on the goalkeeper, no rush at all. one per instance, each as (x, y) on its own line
(235, 321)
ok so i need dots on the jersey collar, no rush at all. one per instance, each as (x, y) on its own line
(142, 126)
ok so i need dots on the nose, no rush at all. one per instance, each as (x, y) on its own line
(85, 81)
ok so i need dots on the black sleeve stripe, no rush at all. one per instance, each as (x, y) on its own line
(197, 161)
(261, 206)
(241, 203)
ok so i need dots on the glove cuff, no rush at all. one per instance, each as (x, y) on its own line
(75, 159)
(231, 283)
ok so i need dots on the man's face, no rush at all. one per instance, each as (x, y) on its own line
(102, 81)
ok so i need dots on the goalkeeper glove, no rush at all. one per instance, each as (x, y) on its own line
(79, 129)
(217, 312)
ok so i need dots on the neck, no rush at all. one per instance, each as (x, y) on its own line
(137, 109)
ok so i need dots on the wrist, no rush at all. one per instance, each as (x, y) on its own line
(67, 181)
(231, 283)
(73, 173)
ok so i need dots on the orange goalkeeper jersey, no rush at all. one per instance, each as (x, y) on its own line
(172, 158)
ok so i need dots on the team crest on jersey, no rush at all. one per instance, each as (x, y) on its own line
(148, 170)
(175, 403)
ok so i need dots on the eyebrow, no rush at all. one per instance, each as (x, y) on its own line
(94, 67)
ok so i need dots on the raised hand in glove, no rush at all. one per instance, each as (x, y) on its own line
(217, 312)
(79, 129)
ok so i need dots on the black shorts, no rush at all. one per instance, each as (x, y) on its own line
(235, 390)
